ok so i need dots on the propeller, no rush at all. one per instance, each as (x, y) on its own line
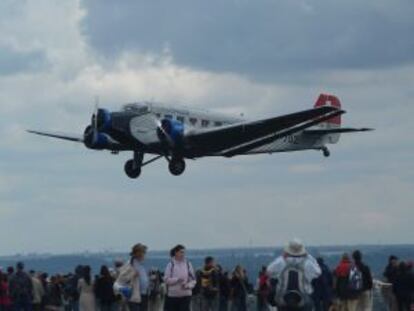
(164, 133)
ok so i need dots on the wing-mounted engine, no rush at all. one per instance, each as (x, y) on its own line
(97, 134)
(171, 132)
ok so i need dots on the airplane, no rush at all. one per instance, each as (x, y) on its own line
(178, 134)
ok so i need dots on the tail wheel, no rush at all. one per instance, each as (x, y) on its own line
(176, 166)
(132, 170)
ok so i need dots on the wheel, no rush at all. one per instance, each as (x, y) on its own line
(326, 152)
(177, 166)
(131, 169)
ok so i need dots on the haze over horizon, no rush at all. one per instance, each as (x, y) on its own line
(261, 58)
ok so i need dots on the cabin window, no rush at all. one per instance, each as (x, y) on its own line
(168, 116)
(180, 119)
(193, 121)
(205, 123)
(218, 123)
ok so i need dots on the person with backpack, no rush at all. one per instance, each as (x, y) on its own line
(209, 285)
(180, 279)
(21, 289)
(365, 289)
(294, 272)
(347, 284)
(263, 290)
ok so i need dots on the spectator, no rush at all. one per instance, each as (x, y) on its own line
(138, 262)
(86, 291)
(294, 272)
(390, 275)
(180, 280)
(209, 285)
(5, 300)
(54, 300)
(365, 297)
(348, 300)
(21, 289)
(239, 284)
(225, 288)
(323, 288)
(71, 289)
(404, 287)
(122, 302)
(156, 291)
(263, 290)
(104, 290)
(38, 293)
(127, 284)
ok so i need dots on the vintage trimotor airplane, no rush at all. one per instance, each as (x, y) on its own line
(177, 134)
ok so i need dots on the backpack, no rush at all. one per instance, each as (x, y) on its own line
(355, 280)
(290, 291)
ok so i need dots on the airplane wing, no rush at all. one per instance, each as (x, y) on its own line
(239, 138)
(336, 131)
(59, 135)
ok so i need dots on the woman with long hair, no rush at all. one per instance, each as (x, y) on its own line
(180, 280)
(86, 291)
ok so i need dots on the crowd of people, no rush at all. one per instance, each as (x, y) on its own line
(293, 281)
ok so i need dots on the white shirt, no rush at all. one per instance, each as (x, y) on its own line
(311, 267)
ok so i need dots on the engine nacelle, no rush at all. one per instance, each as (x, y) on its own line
(172, 132)
(98, 140)
(104, 120)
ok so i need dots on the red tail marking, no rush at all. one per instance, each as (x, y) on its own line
(329, 100)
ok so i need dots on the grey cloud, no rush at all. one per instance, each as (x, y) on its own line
(12, 61)
(264, 39)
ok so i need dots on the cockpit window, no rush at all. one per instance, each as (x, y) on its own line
(137, 108)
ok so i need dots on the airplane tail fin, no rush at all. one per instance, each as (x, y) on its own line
(331, 124)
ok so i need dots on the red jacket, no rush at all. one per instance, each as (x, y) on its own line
(4, 296)
(342, 270)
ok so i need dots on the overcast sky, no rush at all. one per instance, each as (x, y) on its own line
(257, 57)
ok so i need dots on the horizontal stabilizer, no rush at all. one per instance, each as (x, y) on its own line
(59, 135)
(336, 131)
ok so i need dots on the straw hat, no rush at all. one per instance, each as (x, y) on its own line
(295, 248)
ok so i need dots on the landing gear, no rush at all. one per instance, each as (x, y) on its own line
(176, 166)
(326, 152)
(133, 167)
